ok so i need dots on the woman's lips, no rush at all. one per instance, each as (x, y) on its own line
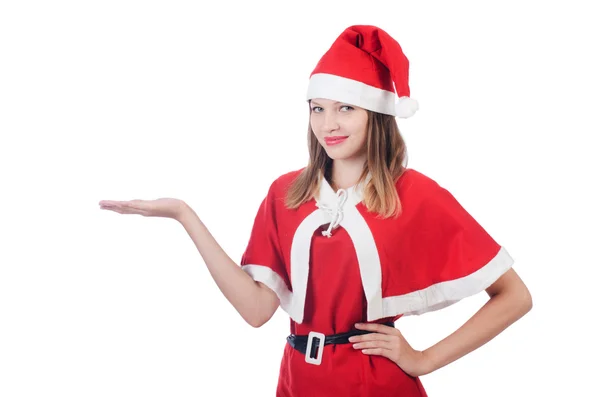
(335, 140)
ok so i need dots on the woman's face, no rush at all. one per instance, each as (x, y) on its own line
(340, 128)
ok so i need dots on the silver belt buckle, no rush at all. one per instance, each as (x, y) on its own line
(317, 360)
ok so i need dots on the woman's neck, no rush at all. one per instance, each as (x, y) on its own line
(345, 174)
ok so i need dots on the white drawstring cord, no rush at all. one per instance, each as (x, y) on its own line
(336, 214)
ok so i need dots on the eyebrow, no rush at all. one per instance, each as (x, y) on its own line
(317, 103)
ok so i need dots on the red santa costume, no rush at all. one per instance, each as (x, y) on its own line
(332, 263)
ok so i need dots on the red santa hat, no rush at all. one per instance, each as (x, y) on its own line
(361, 68)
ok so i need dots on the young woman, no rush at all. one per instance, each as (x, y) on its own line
(355, 240)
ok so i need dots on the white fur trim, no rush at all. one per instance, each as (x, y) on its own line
(272, 280)
(406, 107)
(368, 261)
(364, 244)
(353, 92)
(441, 295)
(299, 262)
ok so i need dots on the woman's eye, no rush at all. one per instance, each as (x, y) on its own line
(318, 109)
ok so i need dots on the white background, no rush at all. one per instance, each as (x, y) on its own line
(120, 100)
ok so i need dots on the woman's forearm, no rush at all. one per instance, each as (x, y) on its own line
(497, 314)
(255, 303)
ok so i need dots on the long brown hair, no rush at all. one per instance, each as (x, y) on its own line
(386, 158)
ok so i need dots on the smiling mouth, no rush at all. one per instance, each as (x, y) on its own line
(335, 140)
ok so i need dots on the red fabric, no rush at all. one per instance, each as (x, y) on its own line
(264, 247)
(433, 240)
(334, 303)
(370, 55)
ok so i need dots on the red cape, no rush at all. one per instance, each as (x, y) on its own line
(433, 255)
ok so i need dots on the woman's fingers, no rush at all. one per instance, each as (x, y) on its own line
(163, 207)
(125, 207)
(112, 203)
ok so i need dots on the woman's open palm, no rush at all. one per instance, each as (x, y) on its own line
(162, 207)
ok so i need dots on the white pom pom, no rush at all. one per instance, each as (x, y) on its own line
(406, 107)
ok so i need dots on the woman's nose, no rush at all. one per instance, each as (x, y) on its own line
(330, 122)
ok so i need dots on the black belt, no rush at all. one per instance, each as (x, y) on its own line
(299, 342)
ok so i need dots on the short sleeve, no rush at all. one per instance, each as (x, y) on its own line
(446, 255)
(262, 258)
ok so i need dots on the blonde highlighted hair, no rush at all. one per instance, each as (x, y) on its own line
(386, 158)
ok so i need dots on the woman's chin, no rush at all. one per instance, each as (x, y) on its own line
(339, 156)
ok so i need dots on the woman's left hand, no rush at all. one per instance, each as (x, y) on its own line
(389, 342)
